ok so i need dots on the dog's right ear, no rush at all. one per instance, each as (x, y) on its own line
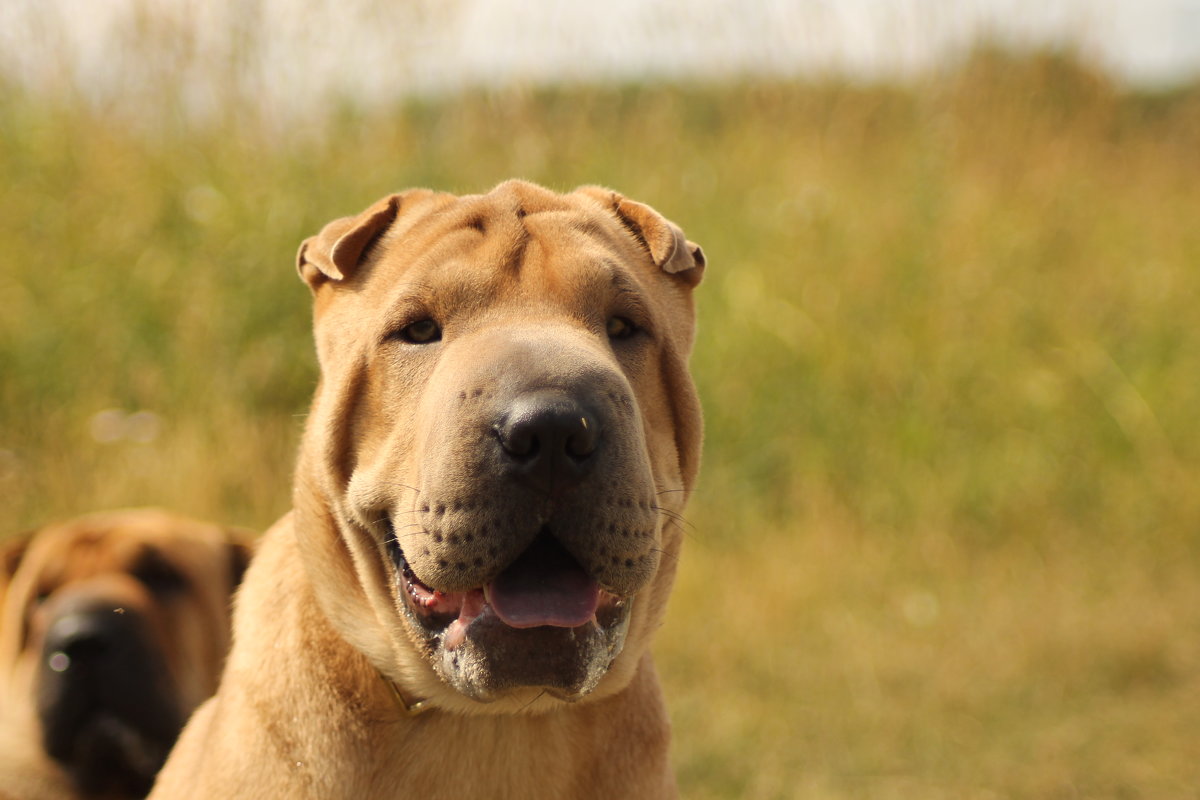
(335, 252)
(12, 551)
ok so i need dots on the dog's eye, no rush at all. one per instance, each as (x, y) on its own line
(158, 576)
(423, 331)
(620, 328)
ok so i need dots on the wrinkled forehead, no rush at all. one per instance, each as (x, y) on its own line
(75, 552)
(64, 555)
(536, 244)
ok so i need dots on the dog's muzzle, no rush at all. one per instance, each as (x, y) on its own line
(106, 713)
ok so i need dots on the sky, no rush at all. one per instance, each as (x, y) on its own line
(296, 52)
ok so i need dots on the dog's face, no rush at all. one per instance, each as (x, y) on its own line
(115, 627)
(505, 433)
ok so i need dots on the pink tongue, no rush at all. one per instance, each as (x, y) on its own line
(544, 586)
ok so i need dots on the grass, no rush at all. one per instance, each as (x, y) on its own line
(946, 539)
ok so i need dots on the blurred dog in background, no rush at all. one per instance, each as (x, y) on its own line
(114, 627)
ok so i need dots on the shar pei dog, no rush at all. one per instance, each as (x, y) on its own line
(485, 517)
(114, 628)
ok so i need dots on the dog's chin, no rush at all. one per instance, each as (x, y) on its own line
(108, 755)
(488, 653)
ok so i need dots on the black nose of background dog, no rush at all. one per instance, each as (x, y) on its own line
(549, 439)
(88, 639)
(100, 681)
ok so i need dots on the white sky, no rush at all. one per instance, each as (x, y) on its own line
(377, 50)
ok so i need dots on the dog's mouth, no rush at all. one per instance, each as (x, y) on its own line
(544, 587)
(541, 621)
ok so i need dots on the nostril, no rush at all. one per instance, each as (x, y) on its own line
(518, 440)
(581, 442)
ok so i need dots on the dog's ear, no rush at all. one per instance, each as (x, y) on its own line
(12, 551)
(668, 247)
(241, 549)
(335, 252)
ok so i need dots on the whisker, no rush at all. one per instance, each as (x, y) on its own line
(673, 556)
(536, 697)
(689, 530)
(403, 486)
(677, 518)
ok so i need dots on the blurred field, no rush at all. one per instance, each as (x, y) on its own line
(947, 539)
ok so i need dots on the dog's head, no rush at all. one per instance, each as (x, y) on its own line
(503, 439)
(115, 626)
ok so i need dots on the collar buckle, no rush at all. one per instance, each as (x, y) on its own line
(410, 708)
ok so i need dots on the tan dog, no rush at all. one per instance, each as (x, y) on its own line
(114, 628)
(484, 525)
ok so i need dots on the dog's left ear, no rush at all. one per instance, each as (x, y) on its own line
(241, 549)
(669, 248)
(335, 252)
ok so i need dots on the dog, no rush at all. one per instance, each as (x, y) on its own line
(114, 628)
(486, 513)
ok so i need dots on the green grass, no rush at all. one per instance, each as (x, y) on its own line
(946, 539)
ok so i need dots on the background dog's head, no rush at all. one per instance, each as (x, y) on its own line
(115, 627)
(505, 435)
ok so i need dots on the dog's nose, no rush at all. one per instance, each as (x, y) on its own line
(104, 697)
(549, 438)
(87, 637)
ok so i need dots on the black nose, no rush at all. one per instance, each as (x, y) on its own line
(549, 439)
(105, 699)
(88, 637)
(91, 660)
